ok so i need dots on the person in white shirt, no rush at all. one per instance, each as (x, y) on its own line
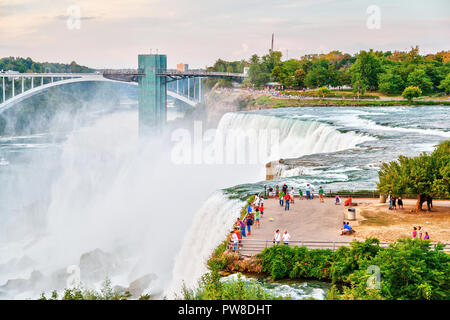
(261, 201)
(292, 193)
(235, 240)
(277, 237)
(256, 201)
(286, 238)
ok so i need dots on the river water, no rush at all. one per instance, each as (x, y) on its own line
(64, 194)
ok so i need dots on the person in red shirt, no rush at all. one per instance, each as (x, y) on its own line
(287, 199)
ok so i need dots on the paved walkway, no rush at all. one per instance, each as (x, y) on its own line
(306, 220)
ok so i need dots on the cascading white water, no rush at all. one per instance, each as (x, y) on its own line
(208, 229)
(296, 137)
(129, 199)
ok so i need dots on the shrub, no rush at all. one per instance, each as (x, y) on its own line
(411, 92)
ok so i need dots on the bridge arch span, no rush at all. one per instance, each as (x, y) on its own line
(32, 92)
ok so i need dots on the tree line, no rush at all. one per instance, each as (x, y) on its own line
(27, 65)
(388, 72)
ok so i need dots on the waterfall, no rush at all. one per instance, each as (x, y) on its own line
(208, 229)
(295, 137)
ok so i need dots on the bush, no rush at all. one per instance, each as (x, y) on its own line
(211, 288)
(409, 269)
(411, 92)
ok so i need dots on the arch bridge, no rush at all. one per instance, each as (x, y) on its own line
(155, 83)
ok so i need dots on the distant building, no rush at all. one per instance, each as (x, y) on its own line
(182, 67)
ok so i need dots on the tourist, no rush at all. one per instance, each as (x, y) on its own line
(427, 237)
(287, 199)
(285, 188)
(257, 213)
(394, 203)
(235, 240)
(261, 201)
(337, 200)
(270, 191)
(390, 201)
(346, 228)
(261, 209)
(237, 231)
(419, 233)
(277, 191)
(292, 194)
(300, 193)
(286, 238)
(348, 201)
(400, 202)
(308, 192)
(321, 194)
(242, 226)
(429, 203)
(249, 224)
(282, 198)
(276, 237)
(256, 200)
(249, 208)
(414, 233)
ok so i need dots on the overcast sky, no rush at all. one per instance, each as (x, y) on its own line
(113, 32)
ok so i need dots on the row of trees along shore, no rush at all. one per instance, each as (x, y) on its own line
(427, 175)
(387, 72)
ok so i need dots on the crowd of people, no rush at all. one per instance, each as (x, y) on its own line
(289, 194)
(393, 201)
(243, 228)
(418, 234)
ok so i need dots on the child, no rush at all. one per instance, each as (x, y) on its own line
(261, 209)
(337, 200)
(257, 213)
(282, 198)
(427, 237)
(400, 202)
(300, 193)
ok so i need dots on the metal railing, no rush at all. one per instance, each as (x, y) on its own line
(253, 246)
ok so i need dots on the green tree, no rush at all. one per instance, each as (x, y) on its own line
(322, 91)
(365, 71)
(391, 82)
(426, 176)
(411, 92)
(419, 78)
(445, 84)
(299, 78)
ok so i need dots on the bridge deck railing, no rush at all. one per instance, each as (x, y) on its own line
(253, 246)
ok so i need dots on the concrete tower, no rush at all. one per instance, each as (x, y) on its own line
(152, 94)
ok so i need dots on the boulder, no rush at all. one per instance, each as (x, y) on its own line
(97, 265)
(138, 286)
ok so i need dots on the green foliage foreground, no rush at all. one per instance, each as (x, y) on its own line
(211, 288)
(408, 269)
